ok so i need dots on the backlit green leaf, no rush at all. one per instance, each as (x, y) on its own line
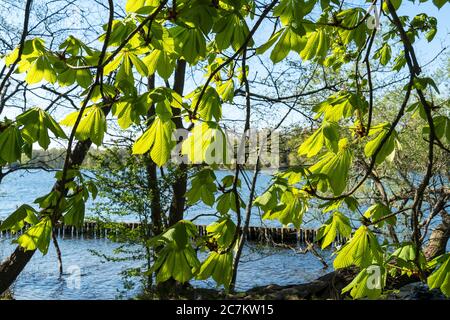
(158, 139)
(335, 166)
(337, 224)
(17, 219)
(361, 250)
(218, 266)
(10, 144)
(37, 237)
(440, 278)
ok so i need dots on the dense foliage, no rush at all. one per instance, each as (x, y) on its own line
(126, 76)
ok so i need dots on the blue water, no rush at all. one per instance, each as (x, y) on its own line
(89, 276)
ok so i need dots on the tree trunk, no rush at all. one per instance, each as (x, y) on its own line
(180, 185)
(438, 238)
(13, 266)
(152, 178)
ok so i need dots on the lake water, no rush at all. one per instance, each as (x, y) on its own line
(101, 279)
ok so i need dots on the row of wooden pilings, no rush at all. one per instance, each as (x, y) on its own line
(256, 234)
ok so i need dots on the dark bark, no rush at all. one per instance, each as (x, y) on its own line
(180, 185)
(152, 178)
(152, 181)
(381, 190)
(328, 286)
(171, 287)
(13, 266)
(248, 211)
(438, 238)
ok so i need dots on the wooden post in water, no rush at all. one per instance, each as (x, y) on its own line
(261, 234)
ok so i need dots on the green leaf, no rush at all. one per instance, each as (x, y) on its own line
(134, 5)
(316, 45)
(222, 231)
(161, 62)
(113, 65)
(11, 144)
(49, 200)
(266, 46)
(74, 47)
(291, 208)
(294, 175)
(84, 78)
(232, 30)
(158, 139)
(16, 221)
(335, 166)
(75, 213)
(226, 90)
(227, 201)
(37, 237)
(11, 57)
(369, 283)
(442, 128)
(361, 250)
(36, 72)
(67, 77)
(440, 3)
(190, 43)
(440, 278)
(406, 256)
(406, 252)
(138, 64)
(141, 6)
(206, 143)
(176, 263)
(337, 224)
(92, 125)
(36, 124)
(328, 133)
(124, 112)
(292, 10)
(289, 40)
(210, 106)
(199, 14)
(178, 235)
(387, 150)
(129, 110)
(151, 61)
(202, 188)
(383, 54)
(269, 199)
(167, 99)
(177, 259)
(219, 267)
(399, 62)
(378, 211)
(340, 106)
(41, 69)
(423, 83)
(350, 18)
(395, 3)
(125, 77)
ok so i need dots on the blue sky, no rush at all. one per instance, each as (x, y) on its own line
(426, 51)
